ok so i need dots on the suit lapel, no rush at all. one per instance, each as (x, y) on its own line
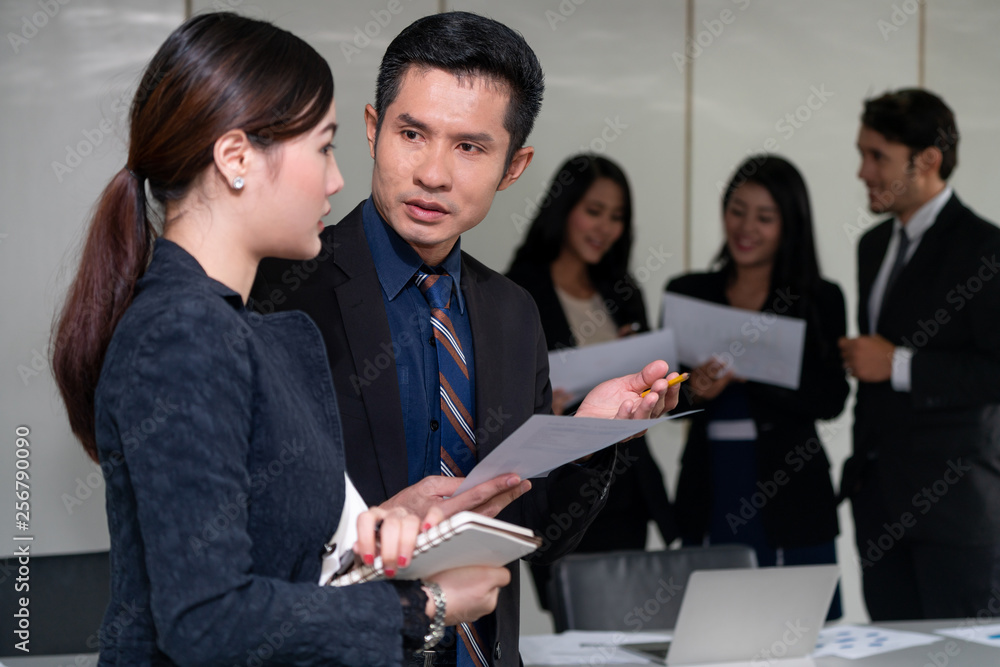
(927, 254)
(488, 352)
(366, 325)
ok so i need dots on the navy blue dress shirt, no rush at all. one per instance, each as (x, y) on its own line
(396, 264)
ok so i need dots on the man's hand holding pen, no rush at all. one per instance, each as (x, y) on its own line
(644, 395)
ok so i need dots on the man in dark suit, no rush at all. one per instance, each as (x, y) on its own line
(456, 97)
(924, 478)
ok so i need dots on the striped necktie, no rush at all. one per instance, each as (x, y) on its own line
(458, 437)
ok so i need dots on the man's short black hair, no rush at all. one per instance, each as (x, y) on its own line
(918, 119)
(466, 44)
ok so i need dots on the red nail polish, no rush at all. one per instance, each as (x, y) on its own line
(402, 561)
(368, 559)
(426, 527)
(390, 573)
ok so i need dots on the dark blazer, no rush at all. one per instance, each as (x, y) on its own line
(803, 511)
(622, 298)
(946, 430)
(638, 494)
(340, 291)
(220, 444)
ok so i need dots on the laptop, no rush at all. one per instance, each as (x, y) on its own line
(758, 616)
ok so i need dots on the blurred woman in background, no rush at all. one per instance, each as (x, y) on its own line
(758, 440)
(574, 262)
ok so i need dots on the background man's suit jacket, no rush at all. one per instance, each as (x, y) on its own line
(937, 447)
(341, 292)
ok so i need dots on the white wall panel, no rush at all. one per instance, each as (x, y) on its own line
(963, 63)
(67, 74)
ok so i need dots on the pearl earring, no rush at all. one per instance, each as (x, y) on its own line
(238, 183)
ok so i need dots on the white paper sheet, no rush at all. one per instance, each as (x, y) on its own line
(545, 442)
(580, 369)
(759, 346)
(586, 648)
(979, 634)
(855, 641)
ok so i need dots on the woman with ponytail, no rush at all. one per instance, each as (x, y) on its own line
(217, 428)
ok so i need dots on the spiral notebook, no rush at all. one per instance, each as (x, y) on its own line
(465, 539)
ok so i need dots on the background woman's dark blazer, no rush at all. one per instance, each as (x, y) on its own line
(803, 510)
(638, 494)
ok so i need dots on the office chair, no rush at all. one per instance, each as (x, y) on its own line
(68, 595)
(632, 590)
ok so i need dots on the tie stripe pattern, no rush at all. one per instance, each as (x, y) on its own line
(473, 645)
(458, 437)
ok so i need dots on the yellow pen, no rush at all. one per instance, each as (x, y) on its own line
(677, 379)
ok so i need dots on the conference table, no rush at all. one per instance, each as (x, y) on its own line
(949, 652)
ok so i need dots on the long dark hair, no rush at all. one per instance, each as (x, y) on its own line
(545, 237)
(796, 267)
(215, 73)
